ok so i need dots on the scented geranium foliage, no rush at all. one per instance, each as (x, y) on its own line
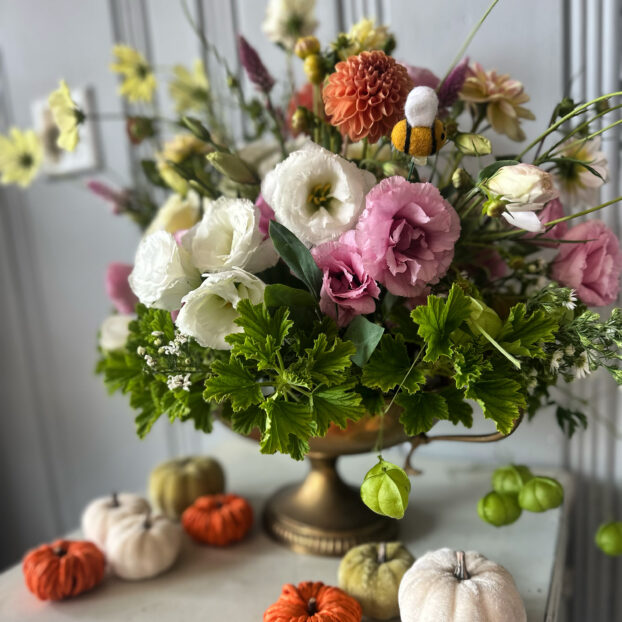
(356, 247)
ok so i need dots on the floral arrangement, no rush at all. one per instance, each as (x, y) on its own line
(361, 249)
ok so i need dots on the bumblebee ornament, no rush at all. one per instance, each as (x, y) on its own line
(420, 134)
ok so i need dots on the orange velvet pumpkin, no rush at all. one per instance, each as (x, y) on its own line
(218, 520)
(313, 602)
(64, 568)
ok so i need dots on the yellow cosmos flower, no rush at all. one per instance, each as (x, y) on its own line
(20, 157)
(177, 150)
(189, 90)
(139, 83)
(67, 116)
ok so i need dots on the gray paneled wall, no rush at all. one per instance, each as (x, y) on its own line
(62, 440)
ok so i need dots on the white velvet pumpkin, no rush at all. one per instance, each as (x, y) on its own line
(101, 513)
(452, 586)
(142, 546)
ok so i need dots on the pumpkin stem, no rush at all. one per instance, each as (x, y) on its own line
(312, 607)
(461, 573)
(382, 552)
(115, 500)
(59, 551)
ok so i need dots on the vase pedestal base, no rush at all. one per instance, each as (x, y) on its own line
(323, 515)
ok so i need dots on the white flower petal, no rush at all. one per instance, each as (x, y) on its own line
(114, 332)
(524, 220)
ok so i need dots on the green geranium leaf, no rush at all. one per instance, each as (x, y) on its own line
(438, 319)
(336, 405)
(327, 361)
(522, 334)
(244, 421)
(421, 411)
(389, 367)
(385, 489)
(297, 256)
(232, 381)
(469, 364)
(458, 409)
(365, 335)
(288, 427)
(278, 295)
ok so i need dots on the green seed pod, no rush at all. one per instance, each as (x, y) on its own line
(473, 144)
(609, 538)
(385, 489)
(498, 509)
(540, 494)
(511, 478)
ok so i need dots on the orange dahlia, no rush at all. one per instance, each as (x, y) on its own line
(365, 95)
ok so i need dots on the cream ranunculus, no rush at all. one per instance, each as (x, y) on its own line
(526, 189)
(163, 272)
(176, 214)
(288, 20)
(114, 332)
(317, 194)
(228, 236)
(209, 312)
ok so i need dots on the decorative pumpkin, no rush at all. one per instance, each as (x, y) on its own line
(218, 520)
(62, 569)
(511, 478)
(540, 494)
(609, 538)
(142, 546)
(371, 573)
(176, 484)
(101, 513)
(313, 602)
(499, 509)
(454, 586)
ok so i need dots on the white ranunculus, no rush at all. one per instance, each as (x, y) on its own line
(209, 312)
(163, 272)
(317, 194)
(527, 189)
(176, 214)
(114, 332)
(287, 20)
(228, 236)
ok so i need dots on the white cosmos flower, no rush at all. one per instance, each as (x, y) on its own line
(527, 189)
(579, 186)
(317, 194)
(287, 20)
(163, 272)
(209, 312)
(176, 214)
(114, 332)
(228, 236)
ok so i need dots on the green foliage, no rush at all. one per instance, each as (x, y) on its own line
(365, 335)
(570, 420)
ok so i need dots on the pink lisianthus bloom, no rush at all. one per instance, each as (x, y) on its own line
(551, 211)
(347, 288)
(407, 235)
(266, 214)
(118, 288)
(591, 268)
(491, 261)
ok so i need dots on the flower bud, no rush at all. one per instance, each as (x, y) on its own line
(510, 479)
(197, 128)
(498, 509)
(473, 144)
(540, 494)
(385, 489)
(300, 121)
(522, 184)
(389, 169)
(494, 207)
(139, 128)
(232, 82)
(305, 46)
(233, 167)
(314, 68)
(461, 180)
(603, 105)
(609, 538)
(565, 107)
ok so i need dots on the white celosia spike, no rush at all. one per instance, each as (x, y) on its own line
(421, 107)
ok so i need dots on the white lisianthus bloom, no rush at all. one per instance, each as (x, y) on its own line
(176, 214)
(526, 189)
(288, 20)
(579, 186)
(163, 272)
(228, 236)
(114, 332)
(317, 194)
(209, 312)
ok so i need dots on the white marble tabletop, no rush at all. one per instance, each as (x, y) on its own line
(238, 583)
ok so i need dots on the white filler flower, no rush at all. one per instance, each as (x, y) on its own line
(176, 214)
(209, 312)
(317, 194)
(114, 332)
(228, 236)
(287, 20)
(163, 272)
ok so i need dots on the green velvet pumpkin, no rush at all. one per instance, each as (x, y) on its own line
(176, 484)
(371, 573)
